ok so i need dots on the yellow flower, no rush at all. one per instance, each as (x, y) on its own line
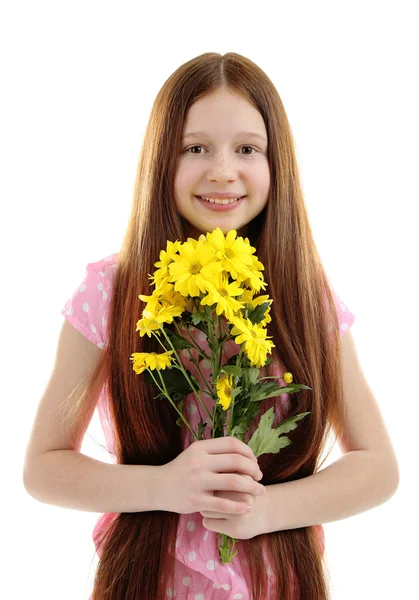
(257, 345)
(154, 315)
(166, 257)
(146, 326)
(234, 253)
(247, 296)
(194, 267)
(221, 293)
(138, 362)
(224, 391)
(287, 377)
(162, 288)
(162, 306)
(151, 360)
(253, 279)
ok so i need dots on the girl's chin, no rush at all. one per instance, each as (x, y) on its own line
(195, 231)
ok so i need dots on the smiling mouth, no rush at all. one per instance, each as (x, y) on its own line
(218, 201)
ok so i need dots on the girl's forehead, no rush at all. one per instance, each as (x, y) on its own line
(222, 112)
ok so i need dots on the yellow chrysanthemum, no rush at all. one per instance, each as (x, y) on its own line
(224, 390)
(253, 279)
(287, 377)
(151, 360)
(221, 293)
(256, 342)
(247, 296)
(160, 309)
(234, 253)
(146, 326)
(166, 257)
(195, 265)
(162, 288)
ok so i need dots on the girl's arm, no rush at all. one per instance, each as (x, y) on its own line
(73, 480)
(366, 476)
(55, 472)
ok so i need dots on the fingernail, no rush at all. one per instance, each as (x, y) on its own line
(249, 507)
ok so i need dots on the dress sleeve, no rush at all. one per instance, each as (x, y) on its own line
(345, 317)
(88, 306)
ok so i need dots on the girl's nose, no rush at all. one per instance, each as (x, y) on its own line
(222, 169)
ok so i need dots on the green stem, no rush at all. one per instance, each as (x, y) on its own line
(238, 364)
(226, 553)
(164, 391)
(214, 358)
(197, 392)
(192, 340)
(194, 361)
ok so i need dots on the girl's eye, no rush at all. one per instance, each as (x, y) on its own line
(251, 148)
(192, 147)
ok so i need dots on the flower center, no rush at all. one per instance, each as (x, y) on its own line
(195, 268)
(223, 292)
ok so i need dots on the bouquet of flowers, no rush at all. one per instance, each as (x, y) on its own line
(213, 284)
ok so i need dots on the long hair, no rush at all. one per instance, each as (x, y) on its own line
(137, 560)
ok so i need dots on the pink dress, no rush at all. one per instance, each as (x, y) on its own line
(199, 573)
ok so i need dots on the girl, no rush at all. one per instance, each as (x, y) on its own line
(217, 131)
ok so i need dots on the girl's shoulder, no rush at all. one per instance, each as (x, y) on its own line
(87, 307)
(345, 316)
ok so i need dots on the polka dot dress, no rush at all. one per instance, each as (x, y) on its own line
(199, 573)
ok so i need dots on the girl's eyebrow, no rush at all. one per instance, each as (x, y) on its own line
(241, 134)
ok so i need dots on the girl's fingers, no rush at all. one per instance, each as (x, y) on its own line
(235, 463)
(226, 507)
(227, 445)
(215, 515)
(237, 483)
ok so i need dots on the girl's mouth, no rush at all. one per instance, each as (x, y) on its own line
(220, 205)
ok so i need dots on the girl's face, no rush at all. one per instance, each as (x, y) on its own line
(223, 151)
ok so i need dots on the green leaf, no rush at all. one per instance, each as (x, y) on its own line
(178, 341)
(252, 374)
(289, 389)
(235, 392)
(258, 314)
(265, 439)
(176, 383)
(232, 370)
(180, 421)
(197, 317)
(239, 430)
(260, 391)
(290, 424)
(201, 429)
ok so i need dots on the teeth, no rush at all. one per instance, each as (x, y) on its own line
(217, 201)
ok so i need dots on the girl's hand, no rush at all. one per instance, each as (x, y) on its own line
(243, 526)
(189, 483)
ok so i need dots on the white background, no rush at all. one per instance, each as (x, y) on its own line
(78, 82)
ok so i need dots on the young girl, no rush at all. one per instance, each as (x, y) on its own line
(218, 152)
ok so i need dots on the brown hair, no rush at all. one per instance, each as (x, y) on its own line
(139, 548)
